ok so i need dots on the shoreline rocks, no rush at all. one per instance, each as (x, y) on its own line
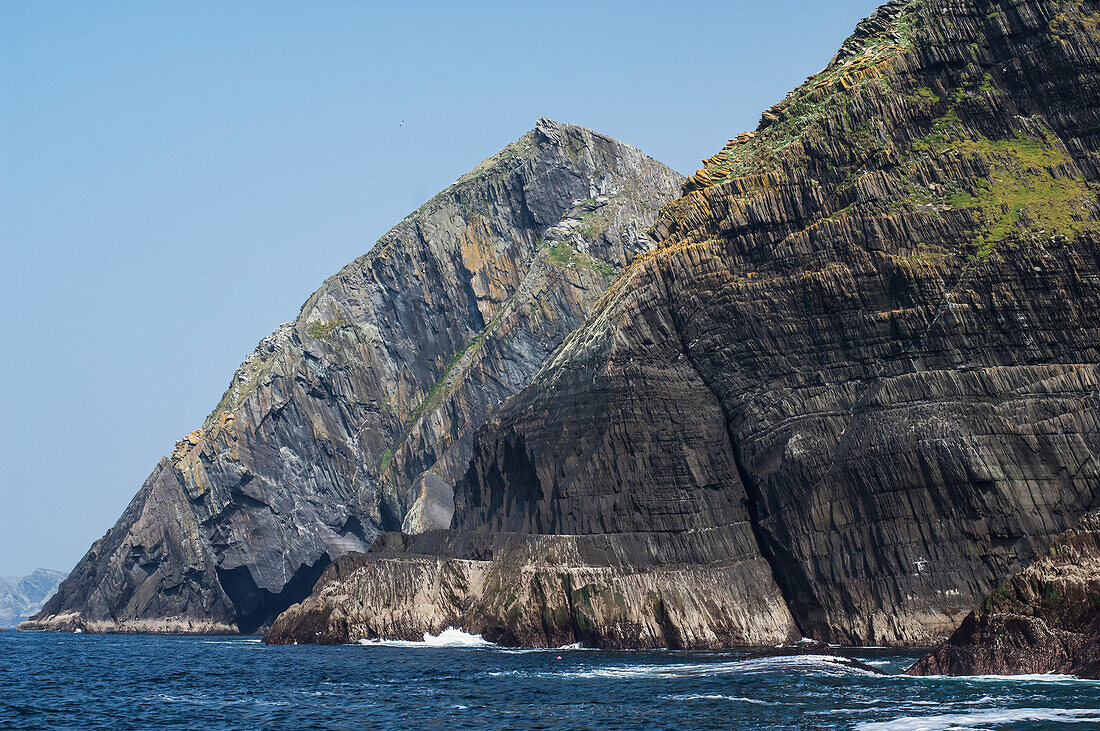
(75, 622)
(1044, 619)
(537, 591)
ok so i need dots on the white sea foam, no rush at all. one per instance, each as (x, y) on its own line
(807, 664)
(449, 637)
(718, 697)
(983, 719)
(877, 705)
(205, 699)
(1032, 678)
(812, 664)
(974, 702)
(575, 647)
(232, 641)
(452, 637)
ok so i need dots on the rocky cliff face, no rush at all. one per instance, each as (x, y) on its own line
(22, 596)
(858, 375)
(358, 416)
(1044, 619)
(685, 591)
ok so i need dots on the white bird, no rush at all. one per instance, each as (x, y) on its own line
(402, 123)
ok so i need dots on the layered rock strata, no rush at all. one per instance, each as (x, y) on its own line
(1044, 619)
(860, 370)
(358, 416)
(547, 591)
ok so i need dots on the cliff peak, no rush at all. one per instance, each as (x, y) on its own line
(358, 416)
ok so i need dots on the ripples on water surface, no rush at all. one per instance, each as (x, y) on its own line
(103, 681)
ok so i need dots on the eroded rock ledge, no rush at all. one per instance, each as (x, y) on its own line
(546, 591)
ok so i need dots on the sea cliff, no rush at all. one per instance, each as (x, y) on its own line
(852, 388)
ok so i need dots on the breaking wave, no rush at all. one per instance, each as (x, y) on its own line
(450, 637)
(453, 637)
(718, 697)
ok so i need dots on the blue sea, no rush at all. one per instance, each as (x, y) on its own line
(50, 680)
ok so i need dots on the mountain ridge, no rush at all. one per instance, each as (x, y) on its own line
(351, 419)
(22, 596)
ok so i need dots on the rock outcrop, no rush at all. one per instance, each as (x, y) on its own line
(858, 373)
(22, 596)
(544, 591)
(1044, 619)
(358, 416)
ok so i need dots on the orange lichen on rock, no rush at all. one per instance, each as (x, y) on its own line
(495, 274)
(185, 445)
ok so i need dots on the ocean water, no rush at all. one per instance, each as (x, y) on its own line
(457, 681)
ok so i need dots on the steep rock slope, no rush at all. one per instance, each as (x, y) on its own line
(354, 417)
(861, 367)
(1044, 619)
(22, 596)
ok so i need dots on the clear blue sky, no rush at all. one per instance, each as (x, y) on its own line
(177, 177)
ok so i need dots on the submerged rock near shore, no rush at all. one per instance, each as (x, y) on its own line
(854, 386)
(1044, 619)
(358, 416)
